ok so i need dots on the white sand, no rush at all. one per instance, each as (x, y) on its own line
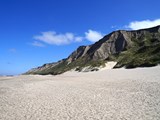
(109, 65)
(104, 95)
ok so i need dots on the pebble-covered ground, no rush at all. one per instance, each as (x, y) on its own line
(105, 95)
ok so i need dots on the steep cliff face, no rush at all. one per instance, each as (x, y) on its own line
(79, 53)
(113, 43)
(118, 45)
(110, 44)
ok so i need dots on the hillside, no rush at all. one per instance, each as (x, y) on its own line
(130, 49)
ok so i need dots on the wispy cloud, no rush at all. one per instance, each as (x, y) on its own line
(79, 39)
(142, 24)
(37, 44)
(53, 38)
(113, 26)
(12, 50)
(93, 36)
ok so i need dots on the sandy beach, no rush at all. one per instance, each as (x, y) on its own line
(116, 94)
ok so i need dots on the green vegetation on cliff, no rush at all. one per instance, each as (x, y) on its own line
(130, 49)
(145, 52)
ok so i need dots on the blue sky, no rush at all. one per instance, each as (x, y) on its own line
(34, 32)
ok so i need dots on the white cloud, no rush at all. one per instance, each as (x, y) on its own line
(143, 24)
(37, 44)
(93, 36)
(51, 37)
(79, 39)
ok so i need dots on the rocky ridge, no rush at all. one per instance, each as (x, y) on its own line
(129, 49)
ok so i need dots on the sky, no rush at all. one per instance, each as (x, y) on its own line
(35, 32)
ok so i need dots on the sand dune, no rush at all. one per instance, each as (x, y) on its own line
(118, 94)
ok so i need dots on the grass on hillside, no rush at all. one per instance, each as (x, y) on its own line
(145, 52)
